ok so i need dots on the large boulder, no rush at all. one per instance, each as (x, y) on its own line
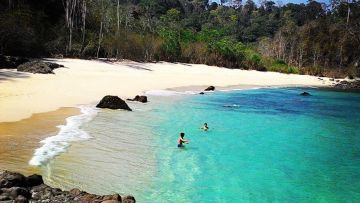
(11, 62)
(34, 180)
(142, 99)
(15, 187)
(113, 102)
(210, 88)
(39, 67)
(10, 179)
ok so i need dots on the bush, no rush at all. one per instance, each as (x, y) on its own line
(282, 67)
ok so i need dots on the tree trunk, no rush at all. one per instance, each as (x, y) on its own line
(100, 36)
(84, 27)
(70, 11)
(348, 14)
(118, 27)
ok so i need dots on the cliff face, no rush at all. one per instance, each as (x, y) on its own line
(15, 187)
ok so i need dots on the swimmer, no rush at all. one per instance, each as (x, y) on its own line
(205, 127)
(181, 140)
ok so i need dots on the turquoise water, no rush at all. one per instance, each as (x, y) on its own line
(264, 145)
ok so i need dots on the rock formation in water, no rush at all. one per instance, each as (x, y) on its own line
(210, 88)
(348, 85)
(113, 102)
(142, 99)
(38, 67)
(15, 187)
(201, 93)
(305, 94)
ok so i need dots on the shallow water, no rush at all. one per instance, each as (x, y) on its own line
(263, 145)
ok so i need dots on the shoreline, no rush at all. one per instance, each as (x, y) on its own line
(31, 130)
(40, 126)
(87, 81)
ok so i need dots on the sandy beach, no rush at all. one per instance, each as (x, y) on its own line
(87, 81)
(19, 139)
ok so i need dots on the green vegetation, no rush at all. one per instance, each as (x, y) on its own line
(310, 38)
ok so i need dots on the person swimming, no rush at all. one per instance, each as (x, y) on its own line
(205, 127)
(181, 140)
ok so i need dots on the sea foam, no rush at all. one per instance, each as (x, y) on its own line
(55, 145)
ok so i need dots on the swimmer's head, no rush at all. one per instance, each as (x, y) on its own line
(205, 124)
(182, 135)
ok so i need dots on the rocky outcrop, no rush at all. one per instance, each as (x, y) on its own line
(11, 61)
(113, 102)
(210, 88)
(15, 187)
(142, 99)
(348, 85)
(305, 94)
(38, 67)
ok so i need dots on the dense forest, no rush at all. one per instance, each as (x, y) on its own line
(311, 38)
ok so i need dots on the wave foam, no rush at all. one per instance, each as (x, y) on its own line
(55, 145)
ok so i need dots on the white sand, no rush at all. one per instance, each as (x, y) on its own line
(85, 81)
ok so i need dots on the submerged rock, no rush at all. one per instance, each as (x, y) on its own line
(142, 99)
(39, 67)
(113, 102)
(201, 93)
(305, 94)
(210, 88)
(17, 188)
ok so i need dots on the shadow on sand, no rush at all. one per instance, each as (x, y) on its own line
(133, 65)
(7, 74)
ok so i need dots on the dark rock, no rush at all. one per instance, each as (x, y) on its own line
(201, 93)
(346, 85)
(21, 199)
(142, 99)
(332, 79)
(17, 188)
(34, 180)
(16, 191)
(210, 88)
(128, 199)
(11, 62)
(10, 179)
(113, 102)
(305, 94)
(38, 67)
(115, 197)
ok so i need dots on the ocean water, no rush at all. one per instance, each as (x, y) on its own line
(263, 145)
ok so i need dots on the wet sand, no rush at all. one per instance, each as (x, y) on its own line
(19, 139)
